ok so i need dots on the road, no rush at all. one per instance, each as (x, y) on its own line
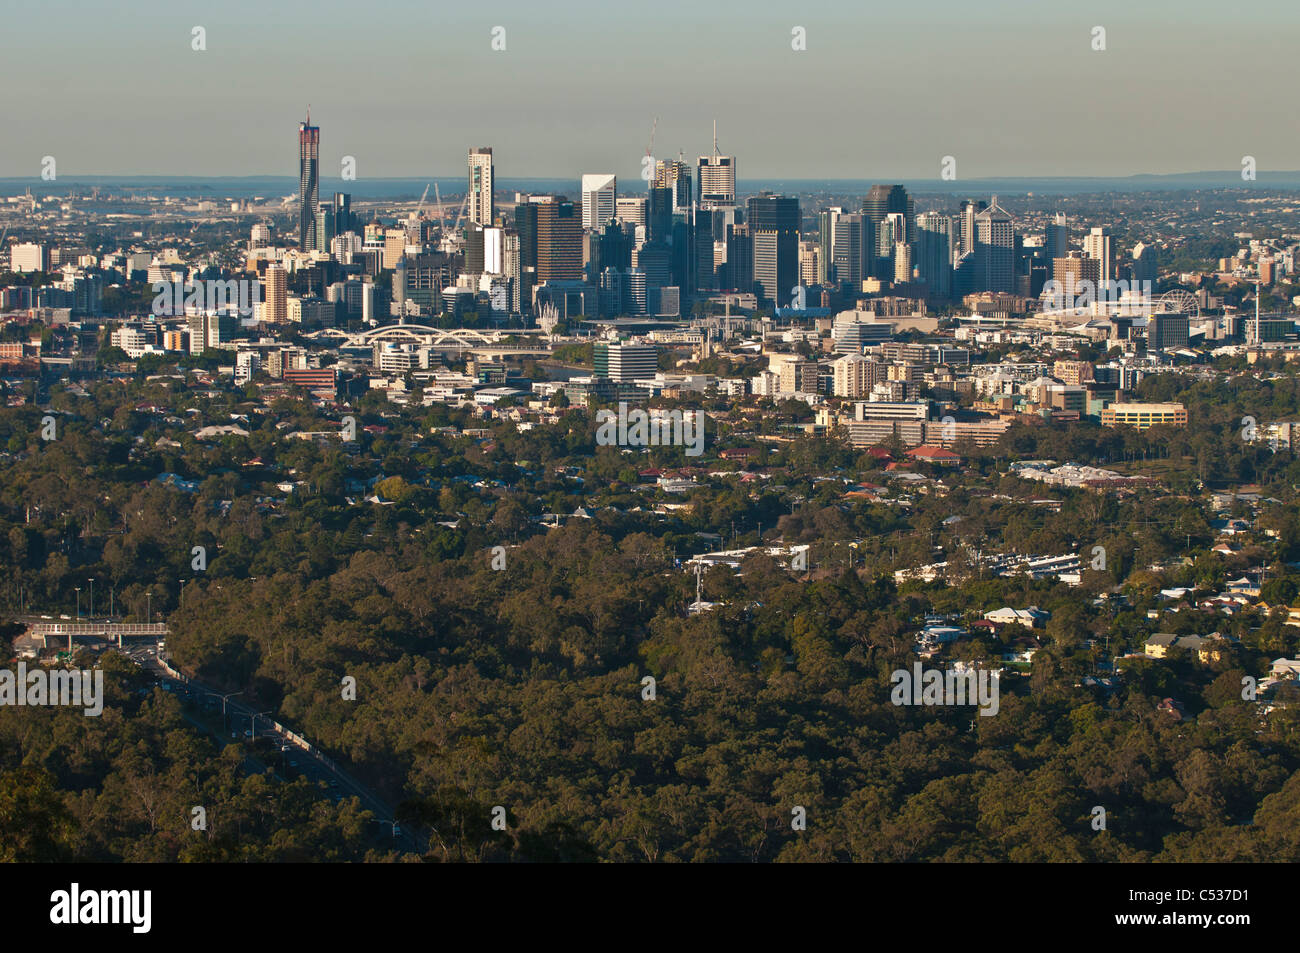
(310, 764)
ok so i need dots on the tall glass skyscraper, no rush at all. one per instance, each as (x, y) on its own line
(878, 204)
(308, 182)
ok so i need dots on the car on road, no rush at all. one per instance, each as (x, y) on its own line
(333, 783)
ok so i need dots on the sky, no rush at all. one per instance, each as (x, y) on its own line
(882, 91)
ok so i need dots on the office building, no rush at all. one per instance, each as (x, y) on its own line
(675, 176)
(1143, 416)
(28, 256)
(852, 247)
(625, 362)
(1056, 242)
(323, 231)
(966, 226)
(631, 209)
(935, 244)
(995, 246)
(773, 222)
(559, 240)
(880, 202)
(599, 200)
(1143, 264)
(1167, 331)
(717, 178)
(826, 273)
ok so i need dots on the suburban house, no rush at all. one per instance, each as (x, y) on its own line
(1245, 586)
(936, 455)
(1208, 648)
(1030, 618)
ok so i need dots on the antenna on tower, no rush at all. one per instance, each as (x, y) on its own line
(715, 137)
(309, 114)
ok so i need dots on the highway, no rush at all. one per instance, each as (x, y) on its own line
(298, 760)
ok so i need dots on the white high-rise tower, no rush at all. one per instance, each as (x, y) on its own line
(599, 199)
(481, 175)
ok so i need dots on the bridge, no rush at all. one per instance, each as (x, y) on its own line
(453, 339)
(101, 630)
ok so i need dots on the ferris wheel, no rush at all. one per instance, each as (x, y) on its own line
(1178, 301)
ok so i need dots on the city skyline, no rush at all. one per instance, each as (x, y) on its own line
(1066, 109)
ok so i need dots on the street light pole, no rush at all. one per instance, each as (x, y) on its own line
(92, 597)
(149, 597)
(78, 590)
(223, 705)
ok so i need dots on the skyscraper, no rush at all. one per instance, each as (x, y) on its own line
(995, 250)
(935, 244)
(966, 226)
(774, 224)
(631, 209)
(599, 200)
(1070, 271)
(324, 230)
(343, 213)
(717, 177)
(308, 182)
(1144, 263)
(826, 244)
(1057, 241)
(878, 204)
(481, 176)
(276, 308)
(659, 214)
(675, 176)
(853, 242)
(1097, 245)
(624, 362)
(559, 239)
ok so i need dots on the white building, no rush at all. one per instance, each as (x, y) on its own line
(599, 199)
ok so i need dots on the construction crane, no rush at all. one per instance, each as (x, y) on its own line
(451, 239)
(464, 203)
(649, 152)
(442, 221)
(419, 209)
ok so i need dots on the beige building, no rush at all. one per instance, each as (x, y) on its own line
(1143, 416)
(276, 308)
(855, 374)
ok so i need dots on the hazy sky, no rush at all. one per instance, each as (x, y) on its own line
(883, 90)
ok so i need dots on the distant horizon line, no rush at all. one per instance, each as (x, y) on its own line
(951, 183)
